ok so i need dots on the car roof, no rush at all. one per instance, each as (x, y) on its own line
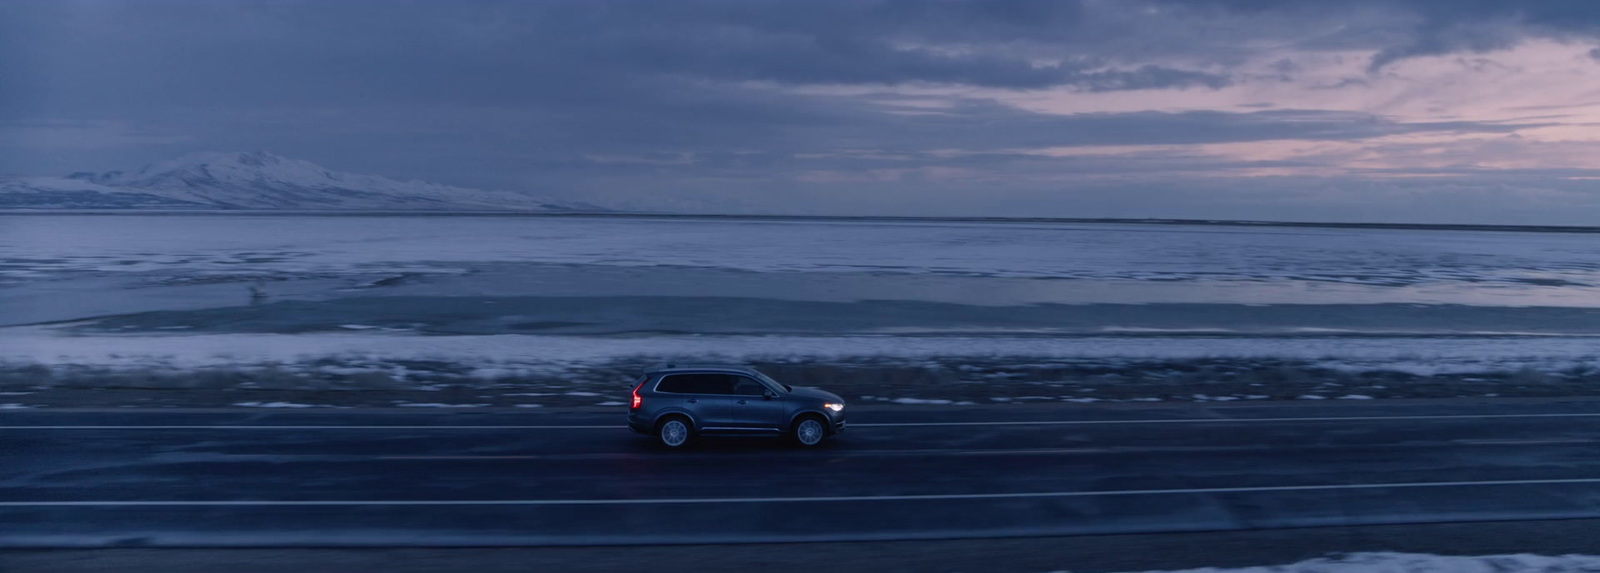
(738, 368)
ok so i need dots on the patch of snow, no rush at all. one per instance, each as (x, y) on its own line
(530, 405)
(919, 401)
(1311, 397)
(437, 405)
(1355, 397)
(273, 405)
(611, 403)
(347, 370)
(14, 406)
(493, 372)
(582, 393)
(1384, 562)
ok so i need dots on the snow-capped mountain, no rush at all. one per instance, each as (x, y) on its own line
(256, 180)
(68, 193)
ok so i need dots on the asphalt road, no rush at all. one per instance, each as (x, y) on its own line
(440, 479)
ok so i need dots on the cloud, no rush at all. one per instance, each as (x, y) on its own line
(1437, 38)
(987, 106)
(81, 135)
(1416, 28)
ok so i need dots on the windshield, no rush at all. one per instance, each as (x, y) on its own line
(773, 383)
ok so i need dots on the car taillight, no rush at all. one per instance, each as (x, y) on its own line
(637, 401)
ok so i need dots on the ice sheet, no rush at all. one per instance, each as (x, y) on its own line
(1469, 267)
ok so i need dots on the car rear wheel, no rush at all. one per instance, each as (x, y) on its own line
(674, 431)
(808, 431)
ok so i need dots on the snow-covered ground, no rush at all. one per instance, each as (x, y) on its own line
(1422, 563)
(499, 355)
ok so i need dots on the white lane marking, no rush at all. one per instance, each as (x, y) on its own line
(1226, 420)
(1008, 452)
(712, 500)
(852, 425)
(289, 427)
(1021, 452)
(1532, 442)
(839, 454)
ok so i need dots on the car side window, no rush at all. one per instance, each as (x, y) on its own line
(676, 384)
(714, 384)
(745, 386)
(696, 384)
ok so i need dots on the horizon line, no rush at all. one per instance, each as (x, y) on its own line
(1502, 227)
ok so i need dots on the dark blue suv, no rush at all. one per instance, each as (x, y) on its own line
(677, 403)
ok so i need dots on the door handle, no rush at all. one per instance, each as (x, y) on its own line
(741, 401)
(694, 401)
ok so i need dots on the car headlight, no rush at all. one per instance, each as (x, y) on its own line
(835, 406)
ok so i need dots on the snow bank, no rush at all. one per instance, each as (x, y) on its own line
(508, 353)
(1421, 563)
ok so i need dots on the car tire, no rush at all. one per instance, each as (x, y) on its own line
(808, 430)
(674, 431)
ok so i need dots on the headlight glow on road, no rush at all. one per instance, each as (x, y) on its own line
(834, 406)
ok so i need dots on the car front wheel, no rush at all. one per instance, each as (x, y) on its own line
(809, 431)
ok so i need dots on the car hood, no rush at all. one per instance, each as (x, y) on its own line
(816, 393)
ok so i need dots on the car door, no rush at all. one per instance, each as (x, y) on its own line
(712, 401)
(752, 408)
(705, 396)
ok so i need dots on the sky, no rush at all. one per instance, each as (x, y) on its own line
(1461, 111)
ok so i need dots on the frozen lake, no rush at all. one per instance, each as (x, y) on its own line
(514, 292)
(989, 264)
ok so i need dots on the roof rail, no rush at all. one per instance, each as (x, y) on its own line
(699, 366)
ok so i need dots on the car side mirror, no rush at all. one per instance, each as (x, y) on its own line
(769, 394)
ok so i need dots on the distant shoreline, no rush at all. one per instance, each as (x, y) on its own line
(838, 218)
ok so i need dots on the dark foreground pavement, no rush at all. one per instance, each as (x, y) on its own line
(1082, 554)
(510, 478)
